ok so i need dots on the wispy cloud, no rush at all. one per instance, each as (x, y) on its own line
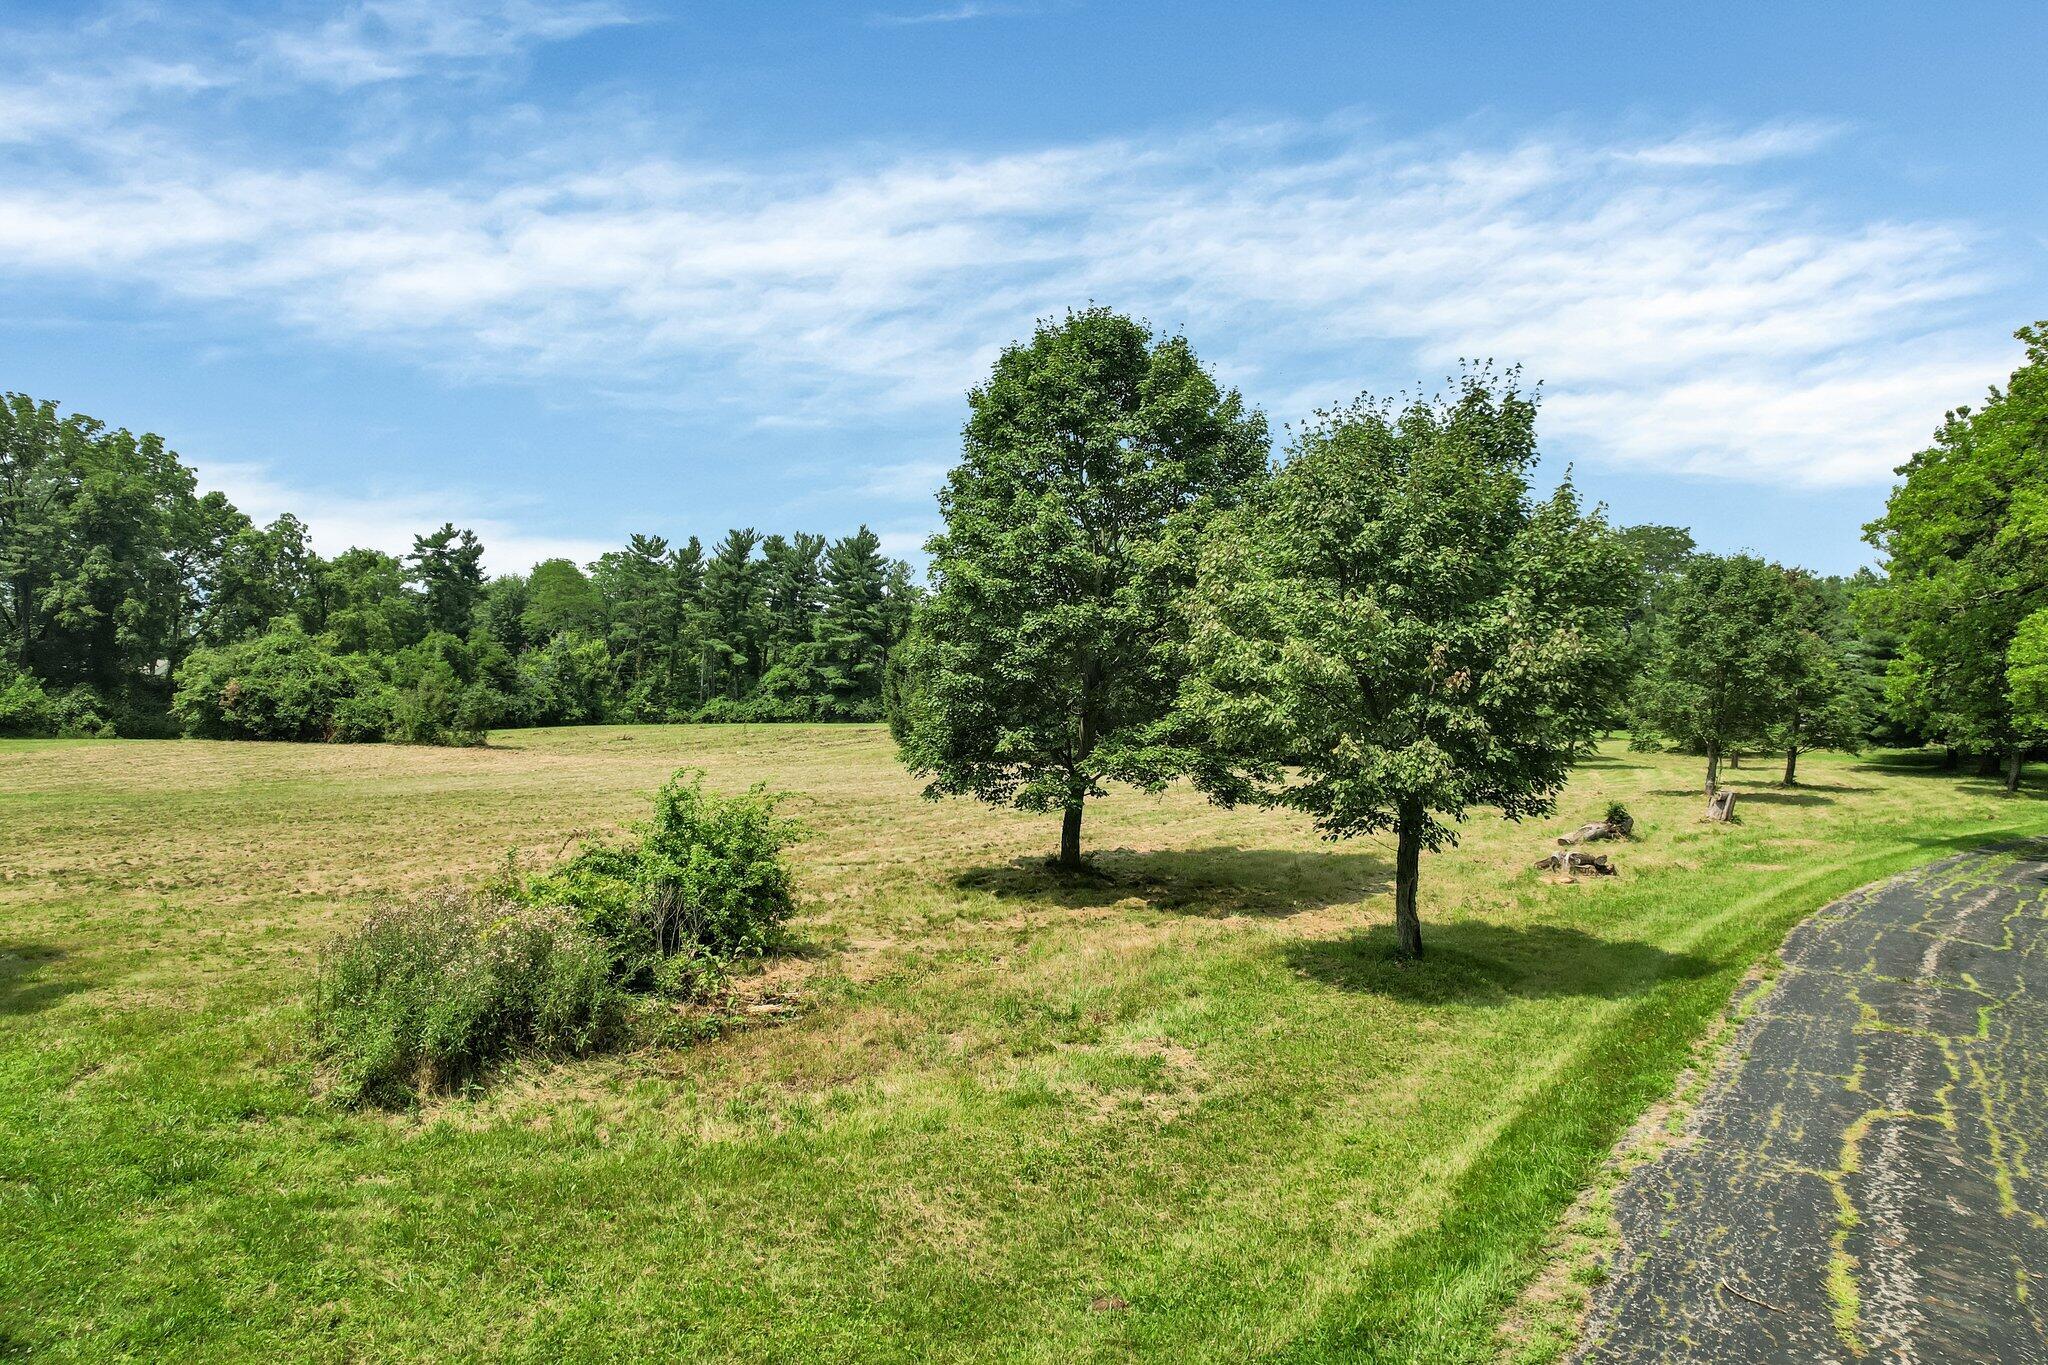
(388, 519)
(953, 14)
(1690, 305)
(382, 40)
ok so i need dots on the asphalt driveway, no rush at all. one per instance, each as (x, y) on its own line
(1866, 1178)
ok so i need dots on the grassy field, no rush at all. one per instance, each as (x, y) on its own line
(1190, 1111)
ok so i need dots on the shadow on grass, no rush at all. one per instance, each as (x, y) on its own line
(1603, 761)
(24, 988)
(1202, 881)
(1474, 962)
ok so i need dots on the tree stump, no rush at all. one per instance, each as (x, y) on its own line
(1721, 806)
(1571, 862)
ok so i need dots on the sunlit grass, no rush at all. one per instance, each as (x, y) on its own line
(1198, 1087)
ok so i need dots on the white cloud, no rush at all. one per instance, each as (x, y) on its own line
(952, 14)
(381, 40)
(1690, 306)
(388, 520)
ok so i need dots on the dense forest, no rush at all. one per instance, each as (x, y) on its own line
(133, 604)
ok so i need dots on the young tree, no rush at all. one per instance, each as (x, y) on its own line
(1046, 645)
(1391, 632)
(1723, 648)
(448, 566)
(1965, 540)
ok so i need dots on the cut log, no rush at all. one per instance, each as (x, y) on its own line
(1721, 806)
(1571, 862)
(1586, 834)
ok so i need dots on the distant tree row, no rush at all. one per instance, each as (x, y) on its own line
(131, 603)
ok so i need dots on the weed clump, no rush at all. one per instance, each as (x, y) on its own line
(426, 995)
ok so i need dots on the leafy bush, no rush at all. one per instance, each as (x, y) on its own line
(28, 709)
(283, 684)
(427, 994)
(1618, 817)
(704, 881)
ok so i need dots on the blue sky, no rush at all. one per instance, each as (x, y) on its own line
(564, 272)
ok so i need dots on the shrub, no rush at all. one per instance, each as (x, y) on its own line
(426, 995)
(283, 684)
(704, 880)
(29, 709)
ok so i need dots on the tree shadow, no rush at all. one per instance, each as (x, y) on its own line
(1603, 761)
(1473, 962)
(1199, 881)
(24, 987)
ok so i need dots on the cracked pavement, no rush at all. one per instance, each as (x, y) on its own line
(1866, 1175)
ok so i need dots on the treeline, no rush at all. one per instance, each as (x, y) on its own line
(1096, 458)
(133, 604)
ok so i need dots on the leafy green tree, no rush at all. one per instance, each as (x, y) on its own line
(2026, 678)
(1047, 644)
(561, 601)
(1824, 694)
(501, 611)
(448, 567)
(1724, 646)
(368, 603)
(1965, 540)
(1391, 632)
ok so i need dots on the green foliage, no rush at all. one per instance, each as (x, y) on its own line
(1046, 651)
(704, 880)
(1390, 632)
(559, 601)
(2026, 674)
(284, 684)
(448, 566)
(1617, 815)
(427, 994)
(1965, 540)
(1726, 642)
(27, 708)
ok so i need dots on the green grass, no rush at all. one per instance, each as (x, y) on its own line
(1200, 1087)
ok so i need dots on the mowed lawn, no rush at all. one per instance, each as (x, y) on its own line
(1192, 1111)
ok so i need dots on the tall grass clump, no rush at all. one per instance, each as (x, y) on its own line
(425, 995)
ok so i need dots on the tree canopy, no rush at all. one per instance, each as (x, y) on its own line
(1391, 631)
(1965, 541)
(1047, 649)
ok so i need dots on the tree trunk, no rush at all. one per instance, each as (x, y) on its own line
(2013, 761)
(1407, 866)
(1713, 768)
(1791, 768)
(1948, 759)
(1070, 837)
